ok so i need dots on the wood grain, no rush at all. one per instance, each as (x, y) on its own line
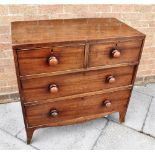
(71, 84)
(36, 61)
(74, 70)
(100, 54)
(75, 108)
(85, 29)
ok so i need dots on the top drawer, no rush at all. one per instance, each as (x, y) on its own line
(114, 53)
(54, 59)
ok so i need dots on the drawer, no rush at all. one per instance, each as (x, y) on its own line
(114, 53)
(56, 113)
(70, 84)
(54, 59)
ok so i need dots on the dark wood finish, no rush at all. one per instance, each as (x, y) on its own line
(103, 54)
(44, 31)
(78, 95)
(122, 114)
(36, 61)
(74, 70)
(29, 133)
(74, 108)
(34, 76)
(71, 84)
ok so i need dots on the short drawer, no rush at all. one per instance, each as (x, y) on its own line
(56, 113)
(114, 53)
(70, 84)
(53, 59)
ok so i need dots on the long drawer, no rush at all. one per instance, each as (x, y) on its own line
(70, 84)
(55, 113)
(44, 60)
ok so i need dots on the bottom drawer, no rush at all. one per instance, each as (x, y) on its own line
(55, 113)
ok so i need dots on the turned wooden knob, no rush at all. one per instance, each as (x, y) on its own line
(53, 113)
(107, 103)
(53, 61)
(116, 53)
(53, 88)
(111, 79)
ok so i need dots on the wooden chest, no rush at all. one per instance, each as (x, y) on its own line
(74, 70)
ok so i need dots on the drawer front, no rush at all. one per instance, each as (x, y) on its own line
(50, 59)
(71, 84)
(56, 113)
(112, 53)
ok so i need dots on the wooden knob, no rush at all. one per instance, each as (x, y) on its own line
(116, 53)
(53, 88)
(107, 103)
(53, 61)
(53, 113)
(111, 79)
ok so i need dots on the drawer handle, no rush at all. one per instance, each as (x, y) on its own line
(53, 61)
(107, 103)
(111, 79)
(116, 53)
(53, 113)
(53, 88)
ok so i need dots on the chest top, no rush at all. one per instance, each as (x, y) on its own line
(71, 30)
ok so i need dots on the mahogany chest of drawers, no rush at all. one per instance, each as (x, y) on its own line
(74, 70)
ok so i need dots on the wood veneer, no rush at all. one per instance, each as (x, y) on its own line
(77, 83)
(74, 70)
(35, 61)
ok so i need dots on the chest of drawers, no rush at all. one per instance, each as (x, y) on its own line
(74, 70)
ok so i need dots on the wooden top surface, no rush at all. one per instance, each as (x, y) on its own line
(53, 31)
